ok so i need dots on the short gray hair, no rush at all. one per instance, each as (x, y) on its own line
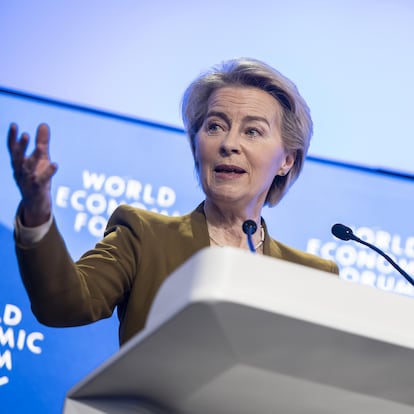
(296, 124)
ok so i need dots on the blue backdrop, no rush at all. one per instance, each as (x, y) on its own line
(105, 159)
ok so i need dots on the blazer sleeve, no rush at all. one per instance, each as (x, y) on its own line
(64, 292)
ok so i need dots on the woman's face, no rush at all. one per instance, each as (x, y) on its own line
(239, 148)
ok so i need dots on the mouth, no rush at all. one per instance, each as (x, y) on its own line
(229, 169)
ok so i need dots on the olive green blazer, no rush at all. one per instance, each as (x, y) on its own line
(124, 270)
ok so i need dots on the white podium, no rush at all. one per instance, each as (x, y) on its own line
(231, 332)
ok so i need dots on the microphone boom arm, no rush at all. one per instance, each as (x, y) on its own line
(343, 232)
(385, 256)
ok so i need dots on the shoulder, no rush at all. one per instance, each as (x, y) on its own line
(291, 254)
(132, 216)
(140, 221)
(179, 236)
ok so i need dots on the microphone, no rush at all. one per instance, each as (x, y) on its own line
(249, 228)
(345, 233)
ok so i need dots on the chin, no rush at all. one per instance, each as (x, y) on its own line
(225, 197)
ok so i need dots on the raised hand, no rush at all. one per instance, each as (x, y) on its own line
(32, 173)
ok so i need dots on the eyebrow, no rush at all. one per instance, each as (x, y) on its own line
(219, 114)
(256, 118)
(247, 118)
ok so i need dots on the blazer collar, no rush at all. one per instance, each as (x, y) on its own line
(201, 236)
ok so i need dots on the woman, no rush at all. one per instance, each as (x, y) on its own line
(249, 131)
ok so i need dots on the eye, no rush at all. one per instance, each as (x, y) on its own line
(253, 132)
(213, 128)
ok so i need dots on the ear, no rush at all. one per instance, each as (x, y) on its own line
(287, 164)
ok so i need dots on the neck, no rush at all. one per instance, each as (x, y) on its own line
(229, 215)
(225, 226)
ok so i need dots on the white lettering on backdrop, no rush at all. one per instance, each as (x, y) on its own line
(101, 194)
(13, 338)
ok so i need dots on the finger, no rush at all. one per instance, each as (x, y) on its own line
(41, 151)
(17, 148)
(48, 173)
(12, 137)
(42, 140)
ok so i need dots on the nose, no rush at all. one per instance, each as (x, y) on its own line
(230, 143)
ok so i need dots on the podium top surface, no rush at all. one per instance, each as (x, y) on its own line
(232, 332)
(273, 285)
